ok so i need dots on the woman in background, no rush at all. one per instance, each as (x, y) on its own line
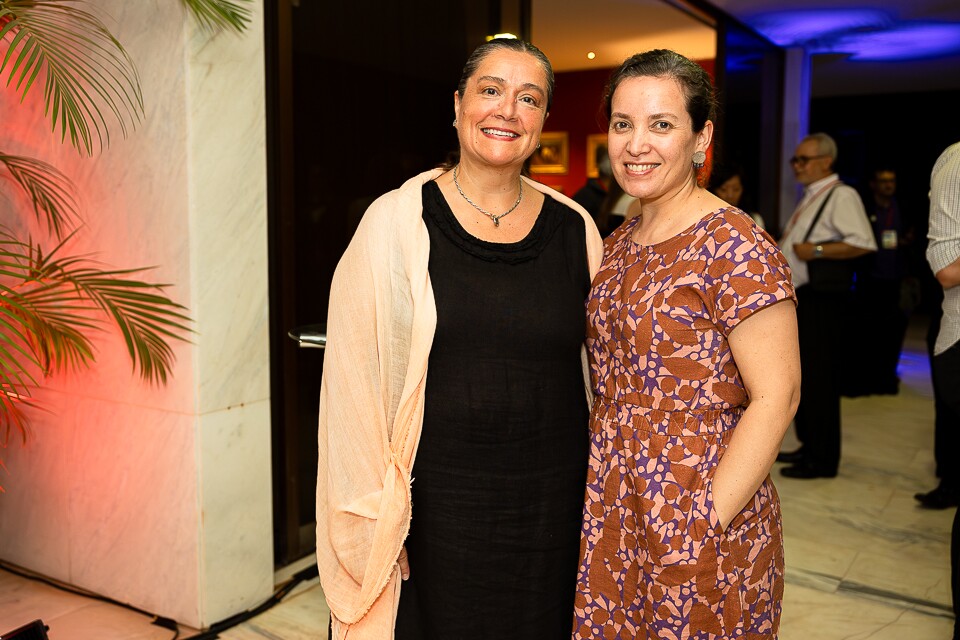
(726, 182)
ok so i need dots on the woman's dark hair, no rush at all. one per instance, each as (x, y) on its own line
(723, 172)
(510, 44)
(663, 63)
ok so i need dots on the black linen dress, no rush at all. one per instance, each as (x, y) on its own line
(500, 469)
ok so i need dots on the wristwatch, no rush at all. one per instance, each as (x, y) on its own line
(818, 251)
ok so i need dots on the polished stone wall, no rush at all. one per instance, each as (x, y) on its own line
(159, 496)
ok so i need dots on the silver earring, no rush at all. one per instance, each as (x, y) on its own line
(454, 122)
(538, 146)
(699, 159)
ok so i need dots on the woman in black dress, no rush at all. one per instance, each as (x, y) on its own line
(497, 454)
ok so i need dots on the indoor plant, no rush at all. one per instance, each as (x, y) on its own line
(50, 300)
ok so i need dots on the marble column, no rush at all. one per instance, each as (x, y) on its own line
(796, 122)
(160, 497)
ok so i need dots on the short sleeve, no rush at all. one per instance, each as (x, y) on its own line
(745, 270)
(943, 248)
(846, 218)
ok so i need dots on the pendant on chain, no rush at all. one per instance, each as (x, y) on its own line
(495, 218)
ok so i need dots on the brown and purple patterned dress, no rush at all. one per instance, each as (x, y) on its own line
(652, 561)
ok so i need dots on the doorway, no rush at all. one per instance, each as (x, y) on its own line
(360, 98)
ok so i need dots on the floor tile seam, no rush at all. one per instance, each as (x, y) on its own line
(894, 599)
(888, 598)
(260, 631)
(876, 530)
(304, 587)
(803, 578)
(85, 604)
(869, 475)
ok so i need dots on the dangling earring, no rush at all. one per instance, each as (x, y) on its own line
(699, 159)
(454, 122)
(538, 146)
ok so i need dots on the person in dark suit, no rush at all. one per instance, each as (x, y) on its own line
(878, 308)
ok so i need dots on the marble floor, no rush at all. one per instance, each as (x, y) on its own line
(863, 561)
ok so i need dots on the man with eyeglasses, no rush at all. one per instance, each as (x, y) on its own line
(828, 229)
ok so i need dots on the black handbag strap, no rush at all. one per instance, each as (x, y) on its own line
(816, 218)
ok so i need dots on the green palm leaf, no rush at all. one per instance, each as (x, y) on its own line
(50, 191)
(144, 315)
(17, 356)
(87, 73)
(217, 14)
(49, 305)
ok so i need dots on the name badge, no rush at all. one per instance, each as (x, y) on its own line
(888, 239)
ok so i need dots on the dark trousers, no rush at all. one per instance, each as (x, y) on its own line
(946, 379)
(822, 323)
(879, 326)
(946, 425)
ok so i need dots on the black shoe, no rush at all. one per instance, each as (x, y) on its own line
(940, 498)
(791, 457)
(803, 471)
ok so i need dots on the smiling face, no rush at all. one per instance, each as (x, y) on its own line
(502, 110)
(651, 139)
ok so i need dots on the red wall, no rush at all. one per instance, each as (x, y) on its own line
(577, 109)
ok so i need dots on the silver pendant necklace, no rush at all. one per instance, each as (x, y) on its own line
(495, 218)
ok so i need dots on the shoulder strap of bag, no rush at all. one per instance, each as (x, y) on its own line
(816, 218)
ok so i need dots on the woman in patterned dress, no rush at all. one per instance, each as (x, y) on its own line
(695, 368)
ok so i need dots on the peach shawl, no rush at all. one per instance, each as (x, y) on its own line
(380, 328)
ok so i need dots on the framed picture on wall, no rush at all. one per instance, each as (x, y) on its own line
(594, 140)
(553, 156)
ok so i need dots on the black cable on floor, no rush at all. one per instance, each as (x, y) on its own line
(159, 621)
(301, 576)
(306, 574)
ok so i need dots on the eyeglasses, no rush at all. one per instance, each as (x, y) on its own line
(802, 160)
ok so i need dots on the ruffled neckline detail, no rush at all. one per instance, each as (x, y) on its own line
(435, 207)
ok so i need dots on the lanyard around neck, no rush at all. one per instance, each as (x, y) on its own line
(806, 203)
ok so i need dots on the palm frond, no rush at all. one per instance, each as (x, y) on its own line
(214, 15)
(13, 417)
(50, 191)
(37, 329)
(50, 304)
(16, 356)
(86, 70)
(145, 316)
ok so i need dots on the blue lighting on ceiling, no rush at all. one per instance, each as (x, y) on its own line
(795, 28)
(863, 34)
(908, 41)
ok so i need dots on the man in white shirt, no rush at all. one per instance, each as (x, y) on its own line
(828, 229)
(943, 254)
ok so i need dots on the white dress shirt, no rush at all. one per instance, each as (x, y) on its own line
(944, 236)
(843, 220)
